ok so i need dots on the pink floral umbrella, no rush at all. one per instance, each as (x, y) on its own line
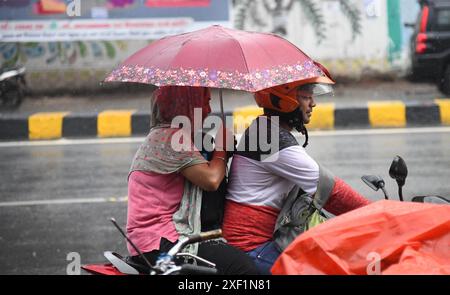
(218, 57)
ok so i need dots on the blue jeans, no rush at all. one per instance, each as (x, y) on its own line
(264, 257)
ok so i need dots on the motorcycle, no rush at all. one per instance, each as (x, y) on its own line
(12, 87)
(166, 264)
(399, 171)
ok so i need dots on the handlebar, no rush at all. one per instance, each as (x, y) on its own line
(166, 262)
(209, 235)
(194, 239)
(166, 265)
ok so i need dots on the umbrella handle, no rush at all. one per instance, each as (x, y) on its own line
(221, 107)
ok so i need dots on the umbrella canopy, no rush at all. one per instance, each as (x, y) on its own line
(218, 57)
(385, 237)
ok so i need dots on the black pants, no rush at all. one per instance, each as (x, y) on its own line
(228, 259)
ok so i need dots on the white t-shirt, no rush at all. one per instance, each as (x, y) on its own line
(268, 182)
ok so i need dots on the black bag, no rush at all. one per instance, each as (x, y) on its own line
(213, 203)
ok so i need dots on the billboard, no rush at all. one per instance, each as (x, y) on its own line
(76, 20)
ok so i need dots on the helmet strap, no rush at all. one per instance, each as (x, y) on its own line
(306, 136)
(293, 119)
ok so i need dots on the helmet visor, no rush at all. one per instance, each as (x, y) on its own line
(314, 89)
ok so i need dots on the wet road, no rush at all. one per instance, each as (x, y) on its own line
(56, 198)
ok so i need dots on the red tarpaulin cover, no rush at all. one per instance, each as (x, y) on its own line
(404, 237)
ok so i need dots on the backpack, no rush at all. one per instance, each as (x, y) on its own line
(299, 213)
(302, 211)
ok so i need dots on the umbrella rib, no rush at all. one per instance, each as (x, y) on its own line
(168, 46)
(263, 49)
(185, 41)
(242, 51)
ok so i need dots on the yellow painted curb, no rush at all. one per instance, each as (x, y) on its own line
(322, 117)
(45, 125)
(444, 110)
(387, 113)
(114, 123)
(243, 117)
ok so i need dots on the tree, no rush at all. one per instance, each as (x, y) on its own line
(248, 12)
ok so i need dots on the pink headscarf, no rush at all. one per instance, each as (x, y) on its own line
(171, 101)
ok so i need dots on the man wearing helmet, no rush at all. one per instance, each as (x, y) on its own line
(294, 102)
(263, 182)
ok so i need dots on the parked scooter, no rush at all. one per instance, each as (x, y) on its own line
(12, 87)
(399, 172)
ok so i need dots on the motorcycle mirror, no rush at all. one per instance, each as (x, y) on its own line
(375, 182)
(398, 170)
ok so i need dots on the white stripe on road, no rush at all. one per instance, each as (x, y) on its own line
(65, 141)
(381, 131)
(63, 201)
(351, 132)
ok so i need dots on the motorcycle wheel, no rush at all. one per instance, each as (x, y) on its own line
(12, 98)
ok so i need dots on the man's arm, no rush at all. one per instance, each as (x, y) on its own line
(344, 198)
